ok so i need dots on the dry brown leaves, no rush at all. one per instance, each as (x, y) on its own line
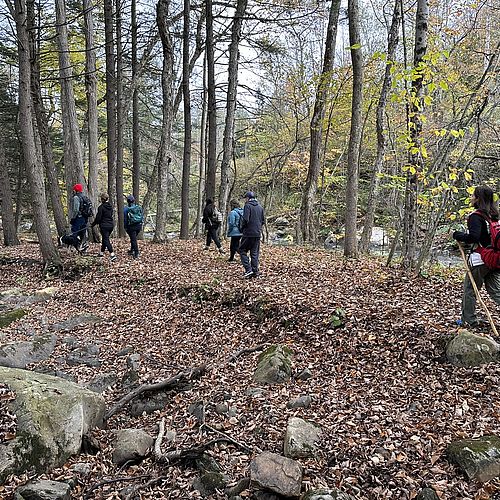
(386, 401)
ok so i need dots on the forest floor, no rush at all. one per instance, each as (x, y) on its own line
(386, 401)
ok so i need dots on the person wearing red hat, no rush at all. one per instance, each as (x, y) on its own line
(78, 220)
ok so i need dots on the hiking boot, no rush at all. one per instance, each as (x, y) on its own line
(112, 258)
(130, 252)
(136, 255)
(206, 248)
(248, 274)
(60, 241)
(83, 247)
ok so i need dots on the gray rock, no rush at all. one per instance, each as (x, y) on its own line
(52, 416)
(274, 365)
(479, 458)
(133, 362)
(208, 483)
(8, 317)
(20, 354)
(325, 495)
(124, 351)
(44, 490)
(239, 487)
(102, 381)
(82, 468)
(207, 463)
(76, 321)
(221, 408)
(198, 411)
(301, 438)
(265, 495)
(427, 494)
(305, 374)
(468, 349)
(84, 355)
(254, 391)
(300, 402)
(276, 473)
(131, 445)
(5, 295)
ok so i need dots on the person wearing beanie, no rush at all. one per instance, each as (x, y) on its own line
(133, 219)
(106, 223)
(252, 221)
(77, 220)
(212, 219)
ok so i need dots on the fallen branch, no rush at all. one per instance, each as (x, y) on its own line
(111, 481)
(161, 432)
(139, 487)
(248, 350)
(191, 373)
(231, 440)
(189, 453)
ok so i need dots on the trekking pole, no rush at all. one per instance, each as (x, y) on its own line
(476, 290)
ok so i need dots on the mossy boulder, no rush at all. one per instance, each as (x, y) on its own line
(20, 354)
(469, 349)
(8, 317)
(301, 438)
(479, 458)
(53, 415)
(274, 365)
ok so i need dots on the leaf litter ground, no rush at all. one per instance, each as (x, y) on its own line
(385, 399)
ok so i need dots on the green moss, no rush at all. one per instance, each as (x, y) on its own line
(9, 317)
(30, 452)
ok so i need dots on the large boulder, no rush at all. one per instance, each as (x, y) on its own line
(469, 349)
(20, 354)
(44, 490)
(274, 365)
(52, 417)
(479, 458)
(301, 438)
(276, 473)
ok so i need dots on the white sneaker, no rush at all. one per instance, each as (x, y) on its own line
(248, 274)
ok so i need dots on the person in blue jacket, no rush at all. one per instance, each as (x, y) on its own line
(252, 221)
(233, 228)
(133, 219)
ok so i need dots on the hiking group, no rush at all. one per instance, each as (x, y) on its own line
(244, 227)
(81, 211)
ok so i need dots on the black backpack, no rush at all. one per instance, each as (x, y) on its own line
(86, 209)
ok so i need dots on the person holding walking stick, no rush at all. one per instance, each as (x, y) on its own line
(478, 273)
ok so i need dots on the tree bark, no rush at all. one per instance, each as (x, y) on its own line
(73, 155)
(43, 125)
(8, 219)
(392, 43)
(186, 157)
(232, 91)
(212, 106)
(414, 129)
(136, 144)
(309, 196)
(162, 19)
(351, 241)
(34, 169)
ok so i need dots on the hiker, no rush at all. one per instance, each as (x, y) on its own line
(106, 223)
(80, 210)
(251, 227)
(133, 218)
(212, 219)
(233, 228)
(478, 235)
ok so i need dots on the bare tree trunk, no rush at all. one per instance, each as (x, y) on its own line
(34, 169)
(392, 43)
(162, 19)
(351, 241)
(202, 158)
(186, 157)
(42, 124)
(307, 228)
(73, 155)
(415, 129)
(110, 98)
(136, 153)
(232, 91)
(8, 220)
(212, 106)
(91, 91)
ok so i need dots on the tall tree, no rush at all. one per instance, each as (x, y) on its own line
(351, 210)
(186, 157)
(414, 131)
(73, 154)
(34, 169)
(232, 91)
(317, 125)
(392, 43)
(164, 154)
(136, 151)
(212, 105)
(8, 220)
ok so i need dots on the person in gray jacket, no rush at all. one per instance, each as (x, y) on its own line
(252, 221)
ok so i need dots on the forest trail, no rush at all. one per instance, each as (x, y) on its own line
(387, 403)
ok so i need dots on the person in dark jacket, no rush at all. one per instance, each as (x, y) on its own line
(133, 224)
(252, 221)
(106, 223)
(212, 225)
(478, 235)
(78, 223)
(233, 228)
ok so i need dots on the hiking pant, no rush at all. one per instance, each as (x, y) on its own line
(133, 231)
(105, 242)
(79, 230)
(482, 275)
(252, 245)
(233, 248)
(212, 235)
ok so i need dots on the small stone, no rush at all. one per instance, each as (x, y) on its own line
(82, 468)
(300, 402)
(44, 490)
(221, 408)
(305, 374)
